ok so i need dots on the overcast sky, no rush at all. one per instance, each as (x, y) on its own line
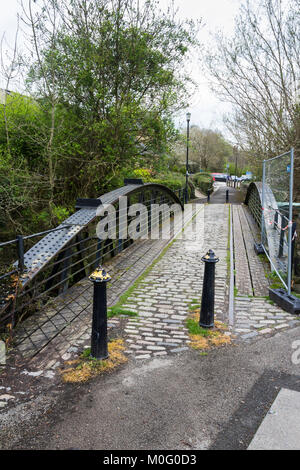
(216, 15)
(206, 110)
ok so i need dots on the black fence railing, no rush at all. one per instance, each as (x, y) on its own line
(63, 256)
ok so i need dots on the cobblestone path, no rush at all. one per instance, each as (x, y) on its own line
(162, 296)
(257, 317)
(68, 317)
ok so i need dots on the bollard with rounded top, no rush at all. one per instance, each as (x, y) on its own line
(99, 325)
(227, 195)
(208, 291)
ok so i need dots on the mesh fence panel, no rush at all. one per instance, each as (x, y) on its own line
(275, 227)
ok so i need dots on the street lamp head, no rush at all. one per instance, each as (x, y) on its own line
(188, 116)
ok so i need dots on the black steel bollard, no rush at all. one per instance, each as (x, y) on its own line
(99, 326)
(208, 291)
(227, 195)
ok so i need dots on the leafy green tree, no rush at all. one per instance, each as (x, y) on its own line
(208, 150)
(110, 74)
(104, 78)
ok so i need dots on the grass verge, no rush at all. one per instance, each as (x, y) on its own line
(274, 279)
(116, 311)
(206, 338)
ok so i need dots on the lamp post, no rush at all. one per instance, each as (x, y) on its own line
(188, 118)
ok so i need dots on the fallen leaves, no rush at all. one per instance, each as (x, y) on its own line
(203, 339)
(86, 368)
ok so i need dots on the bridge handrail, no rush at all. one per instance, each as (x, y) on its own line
(57, 241)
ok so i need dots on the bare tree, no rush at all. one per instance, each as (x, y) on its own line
(9, 71)
(258, 71)
(208, 150)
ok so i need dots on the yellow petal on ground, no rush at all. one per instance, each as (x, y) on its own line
(88, 368)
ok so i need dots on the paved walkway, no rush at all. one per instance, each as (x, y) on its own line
(184, 401)
(66, 323)
(219, 195)
(162, 297)
(280, 429)
(254, 314)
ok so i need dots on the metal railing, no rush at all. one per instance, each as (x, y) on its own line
(63, 256)
(277, 228)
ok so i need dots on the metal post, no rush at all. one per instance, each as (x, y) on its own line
(65, 270)
(20, 247)
(99, 324)
(294, 226)
(281, 240)
(263, 202)
(128, 241)
(183, 196)
(227, 195)
(208, 291)
(290, 236)
(275, 220)
(235, 174)
(120, 241)
(98, 253)
(152, 201)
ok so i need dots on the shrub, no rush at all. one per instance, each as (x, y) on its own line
(170, 179)
(203, 181)
(143, 172)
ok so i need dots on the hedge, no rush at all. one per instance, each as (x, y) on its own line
(203, 181)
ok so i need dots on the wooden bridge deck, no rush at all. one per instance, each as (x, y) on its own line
(250, 270)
